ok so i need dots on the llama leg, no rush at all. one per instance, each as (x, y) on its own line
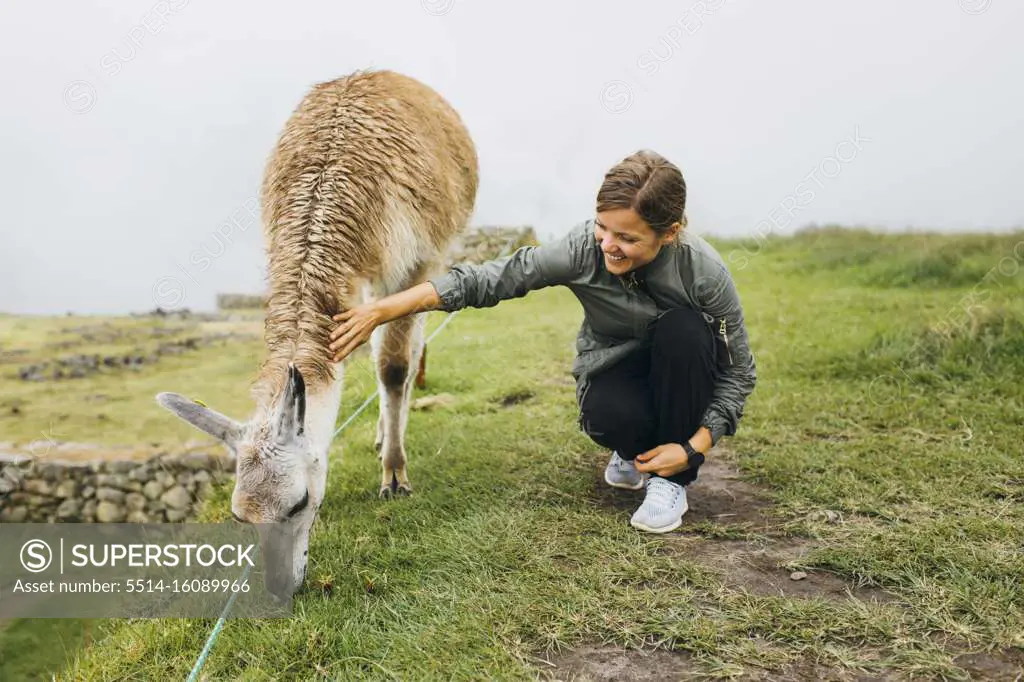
(421, 375)
(393, 346)
(419, 349)
(375, 344)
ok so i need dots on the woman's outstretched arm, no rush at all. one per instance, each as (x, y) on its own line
(466, 285)
(358, 323)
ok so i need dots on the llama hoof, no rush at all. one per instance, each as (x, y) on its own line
(395, 489)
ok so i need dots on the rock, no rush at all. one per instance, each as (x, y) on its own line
(38, 487)
(120, 467)
(184, 478)
(66, 489)
(108, 512)
(12, 473)
(152, 490)
(119, 481)
(164, 479)
(176, 498)
(14, 514)
(140, 474)
(137, 516)
(202, 477)
(88, 491)
(51, 472)
(430, 402)
(110, 495)
(797, 575)
(89, 510)
(10, 480)
(196, 461)
(69, 509)
(175, 515)
(224, 464)
(135, 502)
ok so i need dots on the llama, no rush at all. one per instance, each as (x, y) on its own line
(372, 177)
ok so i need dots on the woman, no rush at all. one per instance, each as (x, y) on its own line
(663, 367)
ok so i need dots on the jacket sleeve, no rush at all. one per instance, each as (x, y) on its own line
(529, 268)
(716, 293)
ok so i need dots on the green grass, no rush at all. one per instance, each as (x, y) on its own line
(29, 648)
(876, 399)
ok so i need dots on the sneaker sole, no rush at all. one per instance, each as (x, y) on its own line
(664, 529)
(623, 486)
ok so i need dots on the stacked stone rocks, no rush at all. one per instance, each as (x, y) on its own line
(164, 488)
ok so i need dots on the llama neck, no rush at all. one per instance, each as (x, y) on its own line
(322, 404)
(322, 412)
(297, 332)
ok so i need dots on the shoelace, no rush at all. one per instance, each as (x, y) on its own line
(661, 492)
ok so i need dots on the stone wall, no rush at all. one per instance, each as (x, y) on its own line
(485, 243)
(162, 488)
(240, 301)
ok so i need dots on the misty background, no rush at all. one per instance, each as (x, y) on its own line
(134, 131)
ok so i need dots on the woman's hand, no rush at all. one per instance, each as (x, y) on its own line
(356, 326)
(664, 460)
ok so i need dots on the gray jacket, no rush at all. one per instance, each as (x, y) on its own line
(617, 314)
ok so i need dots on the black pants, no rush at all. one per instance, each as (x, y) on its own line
(655, 396)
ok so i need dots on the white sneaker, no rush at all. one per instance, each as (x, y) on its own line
(622, 474)
(663, 507)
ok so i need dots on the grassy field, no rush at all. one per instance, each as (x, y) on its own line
(880, 454)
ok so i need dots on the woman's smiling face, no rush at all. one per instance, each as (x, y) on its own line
(626, 240)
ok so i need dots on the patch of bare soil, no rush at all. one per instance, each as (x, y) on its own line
(769, 568)
(993, 665)
(719, 495)
(515, 398)
(608, 664)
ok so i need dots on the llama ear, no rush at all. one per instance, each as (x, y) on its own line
(202, 417)
(291, 411)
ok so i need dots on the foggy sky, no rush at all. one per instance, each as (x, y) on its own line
(134, 130)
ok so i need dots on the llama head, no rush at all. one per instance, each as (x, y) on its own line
(279, 479)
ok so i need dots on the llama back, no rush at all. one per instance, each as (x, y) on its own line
(355, 150)
(373, 174)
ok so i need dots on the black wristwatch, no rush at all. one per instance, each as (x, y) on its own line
(693, 458)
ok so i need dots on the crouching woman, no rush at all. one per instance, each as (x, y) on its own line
(663, 366)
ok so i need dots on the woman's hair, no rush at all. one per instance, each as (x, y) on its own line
(649, 184)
